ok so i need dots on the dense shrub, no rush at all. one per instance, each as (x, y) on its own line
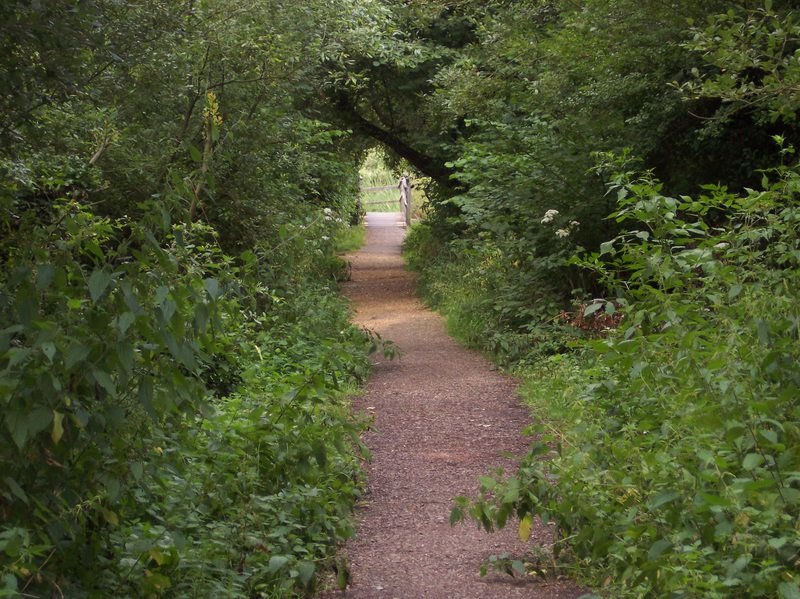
(491, 302)
(172, 418)
(673, 463)
(173, 355)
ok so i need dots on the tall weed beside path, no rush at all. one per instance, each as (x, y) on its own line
(674, 442)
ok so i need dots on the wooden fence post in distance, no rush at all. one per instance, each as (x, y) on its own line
(405, 198)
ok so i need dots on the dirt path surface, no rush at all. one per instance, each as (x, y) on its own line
(442, 418)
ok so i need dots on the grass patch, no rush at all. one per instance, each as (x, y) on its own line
(385, 200)
(375, 173)
(554, 386)
(350, 239)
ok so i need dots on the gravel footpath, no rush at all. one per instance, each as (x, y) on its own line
(442, 417)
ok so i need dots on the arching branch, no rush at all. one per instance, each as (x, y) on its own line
(427, 165)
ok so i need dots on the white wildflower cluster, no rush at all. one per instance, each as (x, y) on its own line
(564, 233)
(560, 233)
(549, 216)
(328, 213)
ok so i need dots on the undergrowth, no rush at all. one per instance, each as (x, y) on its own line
(489, 301)
(175, 420)
(673, 467)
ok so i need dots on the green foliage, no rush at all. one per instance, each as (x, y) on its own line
(491, 301)
(172, 417)
(375, 173)
(675, 471)
(752, 63)
(174, 360)
(535, 92)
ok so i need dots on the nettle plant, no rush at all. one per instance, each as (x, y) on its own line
(680, 472)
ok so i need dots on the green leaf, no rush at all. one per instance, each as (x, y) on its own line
(109, 516)
(45, 276)
(113, 487)
(17, 425)
(137, 469)
(769, 435)
(49, 350)
(105, 381)
(98, 282)
(663, 498)
(58, 427)
(16, 490)
(76, 352)
(752, 460)
(39, 419)
(518, 567)
(146, 396)
(126, 357)
(124, 321)
(511, 494)
(213, 288)
(592, 308)
(9, 584)
(777, 543)
(456, 515)
(195, 153)
(168, 309)
(739, 565)
(16, 355)
(657, 548)
(487, 482)
(276, 562)
(305, 572)
(788, 590)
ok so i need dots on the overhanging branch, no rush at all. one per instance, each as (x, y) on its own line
(427, 165)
